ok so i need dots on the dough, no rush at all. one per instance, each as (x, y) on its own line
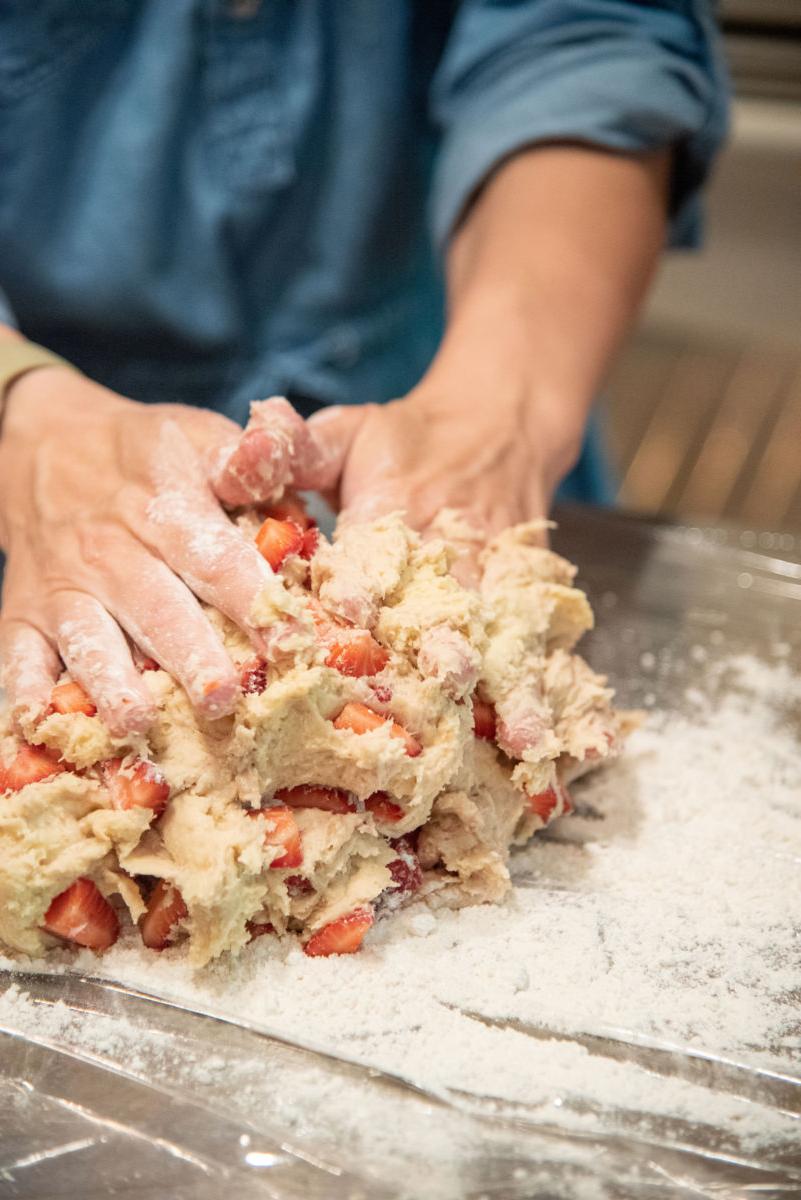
(391, 825)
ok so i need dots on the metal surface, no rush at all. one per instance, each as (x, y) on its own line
(105, 1122)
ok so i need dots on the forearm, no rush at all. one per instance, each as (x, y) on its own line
(546, 273)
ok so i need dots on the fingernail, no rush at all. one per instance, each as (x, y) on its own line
(219, 697)
(131, 717)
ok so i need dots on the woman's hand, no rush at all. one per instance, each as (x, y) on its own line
(111, 518)
(545, 273)
(492, 450)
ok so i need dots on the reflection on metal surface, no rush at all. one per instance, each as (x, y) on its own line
(82, 1115)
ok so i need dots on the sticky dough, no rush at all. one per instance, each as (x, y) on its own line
(463, 802)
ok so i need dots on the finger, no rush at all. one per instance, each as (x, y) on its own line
(466, 535)
(187, 528)
(277, 449)
(446, 655)
(333, 430)
(162, 616)
(30, 668)
(96, 655)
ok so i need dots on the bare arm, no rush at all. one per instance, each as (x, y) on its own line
(545, 275)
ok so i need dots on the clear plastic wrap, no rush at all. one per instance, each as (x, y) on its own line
(114, 1092)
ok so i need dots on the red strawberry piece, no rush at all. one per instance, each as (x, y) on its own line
(148, 664)
(139, 784)
(311, 540)
(484, 721)
(165, 909)
(333, 800)
(360, 655)
(298, 885)
(343, 936)
(384, 809)
(254, 676)
(361, 719)
(545, 805)
(71, 698)
(405, 869)
(281, 829)
(291, 508)
(81, 914)
(276, 540)
(258, 929)
(31, 764)
(382, 693)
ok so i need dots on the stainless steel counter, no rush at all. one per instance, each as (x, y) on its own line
(104, 1122)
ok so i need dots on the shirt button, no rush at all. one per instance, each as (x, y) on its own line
(344, 347)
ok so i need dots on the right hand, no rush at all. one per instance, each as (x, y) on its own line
(112, 521)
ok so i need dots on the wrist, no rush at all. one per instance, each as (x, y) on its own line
(51, 395)
(19, 358)
(493, 366)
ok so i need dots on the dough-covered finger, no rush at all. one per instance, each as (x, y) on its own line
(185, 525)
(277, 449)
(211, 555)
(29, 666)
(96, 655)
(162, 616)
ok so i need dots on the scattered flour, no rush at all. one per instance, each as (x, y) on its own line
(666, 912)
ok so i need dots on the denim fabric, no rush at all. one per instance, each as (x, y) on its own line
(212, 200)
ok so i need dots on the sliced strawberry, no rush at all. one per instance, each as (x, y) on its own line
(311, 540)
(484, 721)
(278, 539)
(545, 805)
(298, 885)
(343, 936)
(405, 869)
(384, 809)
(291, 508)
(360, 655)
(139, 784)
(258, 928)
(165, 909)
(71, 698)
(81, 914)
(361, 719)
(281, 829)
(31, 764)
(254, 676)
(333, 800)
(148, 664)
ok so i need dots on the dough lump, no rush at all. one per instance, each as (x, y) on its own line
(388, 826)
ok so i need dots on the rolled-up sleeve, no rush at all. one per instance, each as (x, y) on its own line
(613, 73)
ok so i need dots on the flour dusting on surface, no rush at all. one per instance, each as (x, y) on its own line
(665, 912)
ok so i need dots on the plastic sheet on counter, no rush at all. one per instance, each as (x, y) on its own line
(105, 1090)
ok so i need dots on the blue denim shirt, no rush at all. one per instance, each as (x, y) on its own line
(212, 200)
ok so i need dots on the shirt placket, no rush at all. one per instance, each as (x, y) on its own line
(248, 142)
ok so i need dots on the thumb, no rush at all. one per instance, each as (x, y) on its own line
(334, 430)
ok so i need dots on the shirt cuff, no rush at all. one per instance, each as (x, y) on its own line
(624, 93)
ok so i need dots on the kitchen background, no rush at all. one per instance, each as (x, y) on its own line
(703, 412)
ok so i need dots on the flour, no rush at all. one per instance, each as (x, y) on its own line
(665, 912)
